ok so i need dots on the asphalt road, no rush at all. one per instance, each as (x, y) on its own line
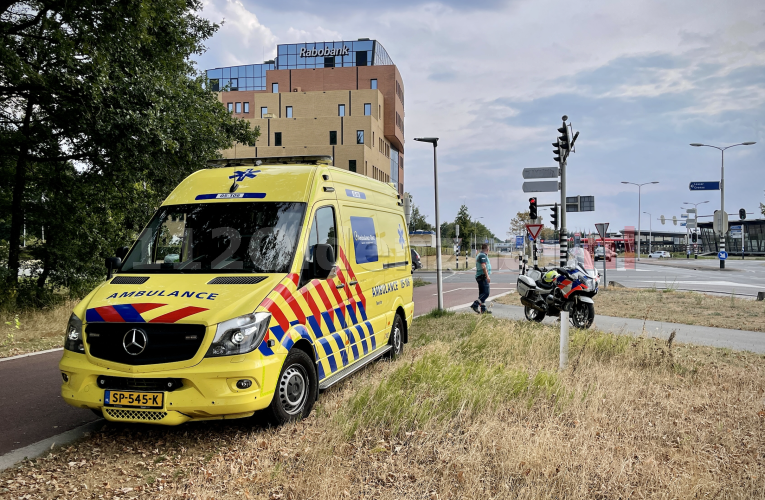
(32, 409)
(30, 402)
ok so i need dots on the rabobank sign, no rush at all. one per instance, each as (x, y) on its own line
(364, 239)
(323, 52)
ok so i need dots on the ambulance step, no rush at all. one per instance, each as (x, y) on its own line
(337, 377)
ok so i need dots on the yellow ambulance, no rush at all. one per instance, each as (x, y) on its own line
(254, 286)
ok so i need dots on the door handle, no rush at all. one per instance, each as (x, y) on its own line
(339, 285)
(353, 282)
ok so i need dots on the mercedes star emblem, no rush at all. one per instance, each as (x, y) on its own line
(135, 341)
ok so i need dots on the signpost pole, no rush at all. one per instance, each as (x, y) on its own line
(722, 206)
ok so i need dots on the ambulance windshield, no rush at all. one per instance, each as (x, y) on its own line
(236, 237)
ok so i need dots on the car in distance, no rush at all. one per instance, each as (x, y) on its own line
(416, 262)
(659, 254)
(600, 253)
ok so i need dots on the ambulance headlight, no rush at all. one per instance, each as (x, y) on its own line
(239, 335)
(73, 336)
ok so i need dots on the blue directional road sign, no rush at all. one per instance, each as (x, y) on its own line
(704, 186)
(518, 241)
(722, 255)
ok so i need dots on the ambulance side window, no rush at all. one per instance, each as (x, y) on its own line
(323, 231)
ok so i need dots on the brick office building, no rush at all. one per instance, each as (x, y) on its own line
(344, 99)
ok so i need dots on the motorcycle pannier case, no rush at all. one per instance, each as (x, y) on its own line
(526, 286)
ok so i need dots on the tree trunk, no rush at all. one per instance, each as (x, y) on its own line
(17, 209)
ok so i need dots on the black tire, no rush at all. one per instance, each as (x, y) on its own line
(396, 339)
(533, 315)
(582, 314)
(296, 389)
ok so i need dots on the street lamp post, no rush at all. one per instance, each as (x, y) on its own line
(439, 280)
(650, 230)
(687, 230)
(723, 230)
(639, 216)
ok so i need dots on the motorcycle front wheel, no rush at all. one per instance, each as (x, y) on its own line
(533, 315)
(582, 314)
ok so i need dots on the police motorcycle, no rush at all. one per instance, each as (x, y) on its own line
(547, 292)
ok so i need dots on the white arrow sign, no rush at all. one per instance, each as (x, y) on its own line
(541, 173)
(541, 187)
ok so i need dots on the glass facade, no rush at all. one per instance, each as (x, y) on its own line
(754, 238)
(343, 54)
(249, 77)
(394, 165)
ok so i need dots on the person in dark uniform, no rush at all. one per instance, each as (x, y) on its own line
(482, 276)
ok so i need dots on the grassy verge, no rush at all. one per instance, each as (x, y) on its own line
(475, 408)
(34, 330)
(668, 305)
(417, 281)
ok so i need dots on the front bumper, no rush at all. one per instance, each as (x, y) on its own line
(209, 389)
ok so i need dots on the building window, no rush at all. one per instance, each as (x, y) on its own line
(379, 111)
(341, 110)
(277, 138)
(247, 107)
(361, 58)
(215, 85)
(289, 111)
(367, 109)
(239, 107)
(231, 107)
(263, 111)
(275, 88)
(333, 137)
(352, 165)
(234, 84)
(373, 83)
(359, 137)
(329, 62)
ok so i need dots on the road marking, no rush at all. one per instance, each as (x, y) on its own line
(31, 354)
(463, 306)
(708, 283)
(473, 288)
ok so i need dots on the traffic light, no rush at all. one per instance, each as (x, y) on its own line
(532, 208)
(694, 237)
(742, 214)
(554, 217)
(556, 152)
(563, 141)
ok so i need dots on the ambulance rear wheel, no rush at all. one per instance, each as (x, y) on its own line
(396, 340)
(296, 389)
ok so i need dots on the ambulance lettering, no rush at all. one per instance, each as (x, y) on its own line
(161, 293)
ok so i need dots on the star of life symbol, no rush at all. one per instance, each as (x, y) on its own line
(239, 176)
(401, 236)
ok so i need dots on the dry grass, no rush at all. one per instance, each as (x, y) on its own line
(34, 330)
(688, 308)
(474, 409)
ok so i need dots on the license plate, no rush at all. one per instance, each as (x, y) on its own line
(137, 399)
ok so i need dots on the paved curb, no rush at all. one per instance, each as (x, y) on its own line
(31, 354)
(34, 450)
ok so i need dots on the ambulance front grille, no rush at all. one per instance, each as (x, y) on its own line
(136, 415)
(165, 342)
(236, 280)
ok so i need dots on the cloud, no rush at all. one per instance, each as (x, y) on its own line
(639, 80)
(242, 39)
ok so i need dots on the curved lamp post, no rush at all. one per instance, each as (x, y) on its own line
(722, 187)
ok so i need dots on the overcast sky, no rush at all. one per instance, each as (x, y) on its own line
(640, 80)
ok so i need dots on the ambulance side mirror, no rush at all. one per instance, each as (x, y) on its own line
(121, 252)
(111, 264)
(323, 261)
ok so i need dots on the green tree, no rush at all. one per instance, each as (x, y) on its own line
(418, 222)
(102, 115)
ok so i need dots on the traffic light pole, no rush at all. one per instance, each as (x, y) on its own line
(563, 231)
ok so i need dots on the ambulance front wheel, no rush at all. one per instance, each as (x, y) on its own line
(396, 338)
(296, 389)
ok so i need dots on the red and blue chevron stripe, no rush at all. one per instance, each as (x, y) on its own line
(131, 313)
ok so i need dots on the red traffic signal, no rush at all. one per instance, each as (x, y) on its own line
(532, 208)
